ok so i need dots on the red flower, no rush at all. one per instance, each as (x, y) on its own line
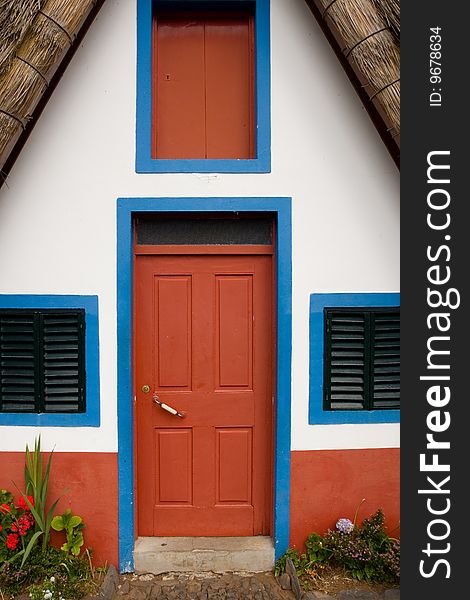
(24, 523)
(23, 504)
(1, 527)
(14, 527)
(5, 508)
(12, 541)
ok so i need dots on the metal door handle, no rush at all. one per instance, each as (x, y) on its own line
(169, 409)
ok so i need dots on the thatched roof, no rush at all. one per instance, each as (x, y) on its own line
(365, 35)
(38, 38)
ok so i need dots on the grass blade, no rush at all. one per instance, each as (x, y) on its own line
(45, 482)
(30, 546)
(47, 528)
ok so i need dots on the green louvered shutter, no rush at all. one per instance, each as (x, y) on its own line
(17, 362)
(362, 359)
(42, 361)
(385, 359)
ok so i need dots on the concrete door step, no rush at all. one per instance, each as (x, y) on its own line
(198, 554)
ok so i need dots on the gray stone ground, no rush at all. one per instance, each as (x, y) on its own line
(230, 586)
(207, 586)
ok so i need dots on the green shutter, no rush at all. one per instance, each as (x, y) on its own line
(385, 359)
(362, 359)
(17, 362)
(42, 361)
(345, 374)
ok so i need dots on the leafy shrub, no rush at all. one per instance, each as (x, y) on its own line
(366, 552)
(73, 574)
(73, 526)
(53, 588)
(309, 563)
(300, 562)
(317, 550)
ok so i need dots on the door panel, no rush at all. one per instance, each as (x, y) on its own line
(172, 334)
(234, 342)
(173, 461)
(234, 465)
(203, 342)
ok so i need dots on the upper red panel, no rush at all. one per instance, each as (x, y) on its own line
(203, 87)
(234, 308)
(173, 335)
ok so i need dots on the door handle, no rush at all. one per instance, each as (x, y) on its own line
(169, 409)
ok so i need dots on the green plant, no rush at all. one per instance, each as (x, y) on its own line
(366, 551)
(37, 482)
(299, 561)
(73, 526)
(317, 551)
(73, 574)
(50, 589)
(308, 563)
(35, 498)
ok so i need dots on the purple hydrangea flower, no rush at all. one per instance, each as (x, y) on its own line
(344, 525)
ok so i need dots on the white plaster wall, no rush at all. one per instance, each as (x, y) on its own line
(59, 206)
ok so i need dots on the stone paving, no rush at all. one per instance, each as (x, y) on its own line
(204, 586)
(230, 586)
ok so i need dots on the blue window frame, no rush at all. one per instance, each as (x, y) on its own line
(90, 418)
(144, 161)
(318, 304)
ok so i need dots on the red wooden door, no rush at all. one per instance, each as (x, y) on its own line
(203, 342)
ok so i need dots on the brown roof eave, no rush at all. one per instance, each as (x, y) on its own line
(380, 120)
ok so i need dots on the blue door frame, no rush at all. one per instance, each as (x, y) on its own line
(126, 208)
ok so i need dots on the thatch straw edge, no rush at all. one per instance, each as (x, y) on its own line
(16, 17)
(369, 33)
(33, 62)
(390, 11)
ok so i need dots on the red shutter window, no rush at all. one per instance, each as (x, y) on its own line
(203, 85)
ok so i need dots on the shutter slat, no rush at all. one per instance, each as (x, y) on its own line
(348, 405)
(388, 393)
(344, 364)
(62, 408)
(59, 372)
(16, 408)
(385, 405)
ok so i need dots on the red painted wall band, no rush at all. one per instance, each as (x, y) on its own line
(329, 484)
(326, 485)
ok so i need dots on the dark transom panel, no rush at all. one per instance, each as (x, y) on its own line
(206, 231)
